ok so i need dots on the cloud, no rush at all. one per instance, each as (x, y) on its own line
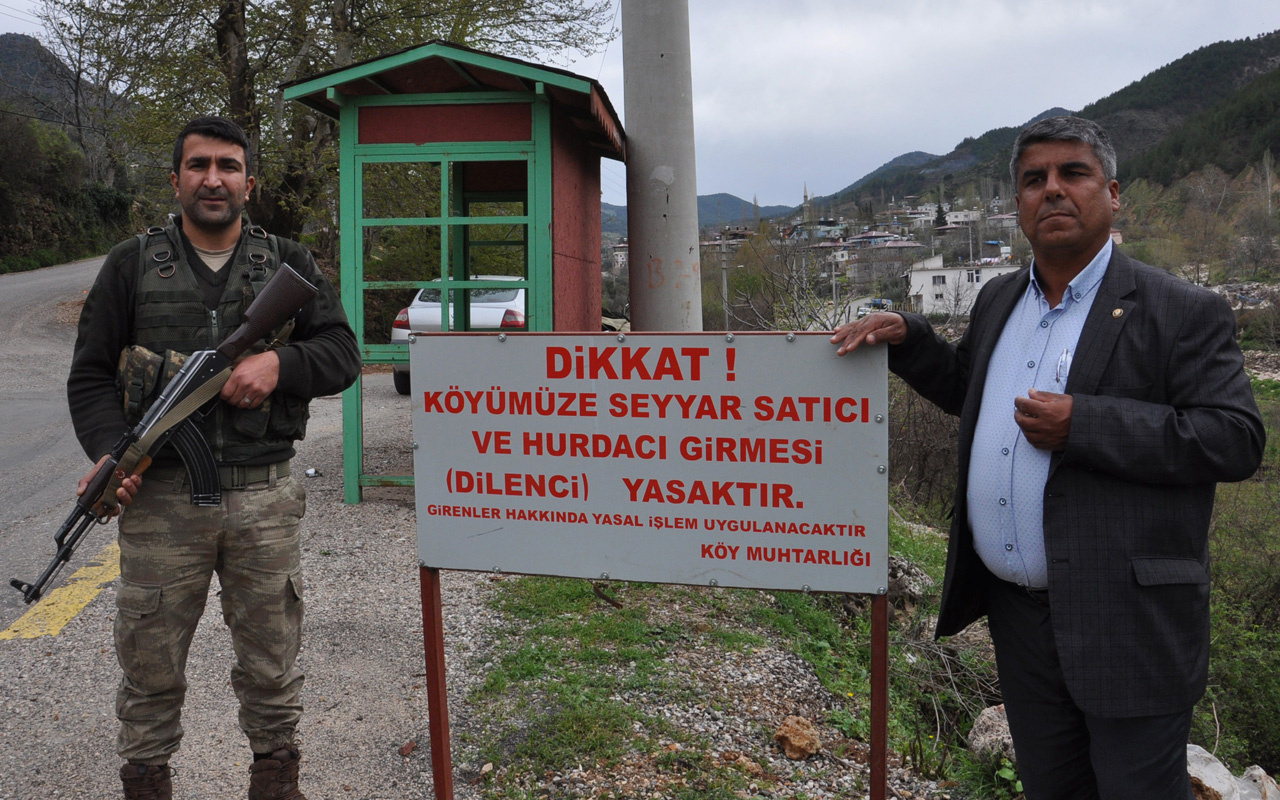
(821, 93)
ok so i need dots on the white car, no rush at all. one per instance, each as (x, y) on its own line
(491, 309)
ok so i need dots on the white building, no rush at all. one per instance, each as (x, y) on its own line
(950, 290)
(964, 217)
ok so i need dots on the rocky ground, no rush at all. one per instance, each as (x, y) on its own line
(1262, 364)
(730, 704)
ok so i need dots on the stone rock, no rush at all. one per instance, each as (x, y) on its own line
(908, 584)
(1256, 784)
(798, 738)
(989, 737)
(735, 759)
(1210, 780)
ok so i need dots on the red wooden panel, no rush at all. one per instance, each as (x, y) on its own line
(494, 176)
(575, 228)
(495, 122)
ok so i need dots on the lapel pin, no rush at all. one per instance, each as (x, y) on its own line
(1118, 313)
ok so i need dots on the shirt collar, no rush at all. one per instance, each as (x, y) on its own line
(1084, 282)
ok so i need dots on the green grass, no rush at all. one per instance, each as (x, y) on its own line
(569, 658)
(1265, 389)
(1239, 717)
(988, 779)
(927, 549)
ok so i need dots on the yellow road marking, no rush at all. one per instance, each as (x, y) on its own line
(49, 616)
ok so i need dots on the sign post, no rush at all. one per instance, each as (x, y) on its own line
(437, 695)
(755, 460)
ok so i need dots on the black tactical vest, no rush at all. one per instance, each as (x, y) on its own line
(170, 314)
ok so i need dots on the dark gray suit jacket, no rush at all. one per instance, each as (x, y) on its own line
(1162, 411)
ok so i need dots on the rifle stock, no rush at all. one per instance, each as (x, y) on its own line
(200, 379)
(284, 294)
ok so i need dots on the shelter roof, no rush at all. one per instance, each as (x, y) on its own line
(440, 67)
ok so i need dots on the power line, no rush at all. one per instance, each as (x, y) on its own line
(20, 19)
(605, 54)
(52, 121)
(31, 17)
(613, 182)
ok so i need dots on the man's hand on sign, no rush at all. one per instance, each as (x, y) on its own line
(884, 327)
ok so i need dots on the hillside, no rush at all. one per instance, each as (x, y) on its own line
(54, 207)
(1138, 117)
(972, 159)
(32, 79)
(903, 163)
(1230, 135)
(1144, 112)
(714, 211)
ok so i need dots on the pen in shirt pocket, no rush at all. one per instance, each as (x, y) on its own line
(1064, 368)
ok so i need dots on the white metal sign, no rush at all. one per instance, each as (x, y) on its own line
(748, 460)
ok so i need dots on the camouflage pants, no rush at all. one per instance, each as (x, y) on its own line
(169, 549)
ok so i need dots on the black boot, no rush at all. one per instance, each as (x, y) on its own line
(275, 778)
(143, 782)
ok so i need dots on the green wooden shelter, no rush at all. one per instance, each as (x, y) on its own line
(461, 171)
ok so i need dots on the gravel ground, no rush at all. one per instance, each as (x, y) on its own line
(365, 694)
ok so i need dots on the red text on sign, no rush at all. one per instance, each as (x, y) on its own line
(711, 493)
(518, 484)
(812, 409)
(675, 406)
(751, 450)
(626, 363)
(594, 445)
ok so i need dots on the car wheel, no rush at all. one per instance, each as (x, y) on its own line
(401, 380)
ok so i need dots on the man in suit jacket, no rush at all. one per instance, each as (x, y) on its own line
(1100, 400)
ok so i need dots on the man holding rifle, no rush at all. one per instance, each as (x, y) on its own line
(170, 292)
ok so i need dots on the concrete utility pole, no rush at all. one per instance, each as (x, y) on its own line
(662, 189)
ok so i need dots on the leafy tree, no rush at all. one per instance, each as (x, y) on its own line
(1205, 195)
(91, 93)
(778, 288)
(183, 58)
(48, 213)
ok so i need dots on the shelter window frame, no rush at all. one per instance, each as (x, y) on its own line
(452, 217)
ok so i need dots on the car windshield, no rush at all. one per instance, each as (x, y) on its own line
(477, 295)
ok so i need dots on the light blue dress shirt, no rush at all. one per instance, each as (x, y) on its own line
(1006, 473)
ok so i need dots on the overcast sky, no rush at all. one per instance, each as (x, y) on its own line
(821, 92)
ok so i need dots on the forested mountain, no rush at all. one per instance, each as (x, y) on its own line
(1144, 112)
(1138, 117)
(54, 206)
(901, 164)
(30, 76)
(1232, 134)
(970, 161)
(714, 211)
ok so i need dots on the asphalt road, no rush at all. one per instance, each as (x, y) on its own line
(41, 457)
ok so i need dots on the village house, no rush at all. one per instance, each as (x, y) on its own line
(949, 290)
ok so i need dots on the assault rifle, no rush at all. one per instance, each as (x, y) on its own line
(173, 418)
